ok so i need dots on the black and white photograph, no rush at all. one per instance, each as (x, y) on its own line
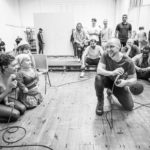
(75, 75)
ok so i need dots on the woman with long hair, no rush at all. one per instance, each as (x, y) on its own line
(10, 107)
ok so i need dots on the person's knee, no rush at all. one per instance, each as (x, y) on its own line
(98, 81)
(15, 115)
(22, 109)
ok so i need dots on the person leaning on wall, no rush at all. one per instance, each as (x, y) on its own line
(40, 41)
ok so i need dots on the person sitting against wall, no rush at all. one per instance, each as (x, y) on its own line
(130, 49)
(24, 48)
(9, 105)
(91, 55)
(142, 64)
(80, 40)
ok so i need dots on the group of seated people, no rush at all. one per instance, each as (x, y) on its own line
(19, 89)
(90, 45)
(140, 57)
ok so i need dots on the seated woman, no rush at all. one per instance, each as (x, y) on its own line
(142, 64)
(80, 40)
(130, 49)
(28, 79)
(8, 86)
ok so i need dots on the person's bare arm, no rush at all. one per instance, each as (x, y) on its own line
(101, 69)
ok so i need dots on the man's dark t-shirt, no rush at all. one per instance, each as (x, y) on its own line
(123, 30)
(126, 63)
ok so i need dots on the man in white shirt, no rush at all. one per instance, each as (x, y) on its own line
(91, 55)
(142, 38)
(94, 30)
(106, 33)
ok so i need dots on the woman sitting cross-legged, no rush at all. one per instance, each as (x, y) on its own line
(27, 78)
(10, 107)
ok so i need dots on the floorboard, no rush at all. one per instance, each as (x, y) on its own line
(66, 119)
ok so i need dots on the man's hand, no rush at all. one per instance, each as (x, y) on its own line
(118, 71)
(25, 90)
(82, 44)
(11, 104)
(120, 83)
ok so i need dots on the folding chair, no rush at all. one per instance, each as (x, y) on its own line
(42, 66)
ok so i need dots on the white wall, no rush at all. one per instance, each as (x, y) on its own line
(122, 7)
(144, 17)
(56, 32)
(82, 11)
(140, 17)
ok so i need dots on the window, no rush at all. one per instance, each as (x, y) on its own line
(146, 2)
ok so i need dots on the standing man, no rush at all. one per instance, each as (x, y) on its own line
(40, 40)
(106, 33)
(123, 30)
(2, 46)
(112, 65)
(94, 31)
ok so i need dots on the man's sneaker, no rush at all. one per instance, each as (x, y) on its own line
(82, 75)
(99, 109)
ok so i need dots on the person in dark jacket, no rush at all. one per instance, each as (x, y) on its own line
(40, 41)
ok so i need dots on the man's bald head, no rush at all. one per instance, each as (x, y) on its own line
(115, 42)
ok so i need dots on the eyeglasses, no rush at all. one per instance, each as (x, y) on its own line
(93, 41)
(110, 46)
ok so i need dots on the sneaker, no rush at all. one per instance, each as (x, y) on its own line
(99, 109)
(82, 75)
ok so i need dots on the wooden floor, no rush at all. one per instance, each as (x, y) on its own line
(66, 119)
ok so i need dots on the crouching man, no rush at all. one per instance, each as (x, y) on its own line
(91, 55)
(113, 64)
